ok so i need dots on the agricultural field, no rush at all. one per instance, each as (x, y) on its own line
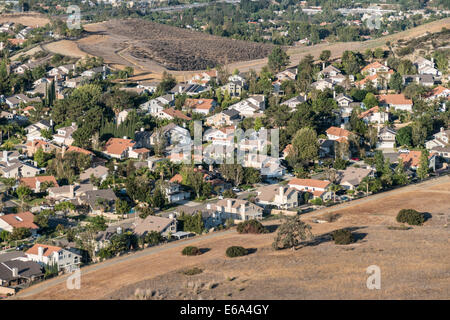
(173, 48)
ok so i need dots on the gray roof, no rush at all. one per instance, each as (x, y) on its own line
(11, 255)
(26, 269)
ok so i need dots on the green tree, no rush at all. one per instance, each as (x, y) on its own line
(396, 82)
(422, 170)
(291, 232)
(305, 147)
(23, 192)
(278, 59)
(404, 136)
(122, 207)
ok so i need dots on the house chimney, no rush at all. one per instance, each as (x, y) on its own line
(334, 94)
(125, 137)
(385, 63)
(51, 123)
(243, 211)
(171, 216)
(15, 272)
(142, 129)
(211, 168)
(442, 129)
(208, 206)
(38, 185)
(305, 97)
(72, 191)
(281, 191)
(5, 156)
(40, 252)
(323, 65)
(119, 230)
(229, 205)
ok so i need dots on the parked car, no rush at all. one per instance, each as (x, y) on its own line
(236, 189)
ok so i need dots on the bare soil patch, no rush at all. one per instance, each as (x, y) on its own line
(27, 19)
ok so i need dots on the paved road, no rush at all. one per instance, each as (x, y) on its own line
(379, 196)
(38, 288)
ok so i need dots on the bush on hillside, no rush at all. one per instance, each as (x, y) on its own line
(411, 217)
(191, 251)
(236, 251)
(251, 226)
(342, 236)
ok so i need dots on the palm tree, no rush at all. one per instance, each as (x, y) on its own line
(335, 188)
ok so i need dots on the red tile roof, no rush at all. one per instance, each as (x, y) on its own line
(203, 104)
(79, 150)
(20, 220)
(396, 99)
(117, 145)
(31, 181)
(48, 250)
(176, 114)
(313, 183)
(338, 132)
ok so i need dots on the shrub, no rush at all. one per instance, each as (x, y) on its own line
(236, 251)
(193, 271)
(411, 217)
(251, 226)
(342, 236)
(191, 251)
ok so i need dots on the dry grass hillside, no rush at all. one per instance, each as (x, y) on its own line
(414, 263)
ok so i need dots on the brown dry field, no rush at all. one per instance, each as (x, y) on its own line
(65, 47)
(117, 54)
(27, 19)
(415, 263)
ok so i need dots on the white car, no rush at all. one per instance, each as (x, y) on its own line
(236, 190)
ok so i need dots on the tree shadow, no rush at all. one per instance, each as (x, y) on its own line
(427, 216)
(251, 250)
(358, 236)
(204, 250)
(272, 228)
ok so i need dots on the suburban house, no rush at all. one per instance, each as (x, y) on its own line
(440, 139)
(36, 183)
(174, 193)
(426, 80)
(438, 93)
(286, 75)
(118, 148)
(17, 169)
(164, 226)
(203, 106)
(25, 219)
(189, 89)
(343, 101)
(151, 87)
(374, 115)
(63, 136)
(203, 77)
(18, 272)
(236, 209)
(99, 172)
(329, 71)
(234, 88)
(335, 133)
(99, 201)
(15, 100)
(395, 101)
(386, 138)
(35, 145)
(294, 102)
(323, 84)
(171, 114)
(69, 192)
(34, 130)
(425, 66)
(278, 196)
(412, 159)
(351, 177)
(154, 106)
(225, 118)
(175, 135)
(318, 188)
(374, 68)
(43, 254)
(250, 107)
